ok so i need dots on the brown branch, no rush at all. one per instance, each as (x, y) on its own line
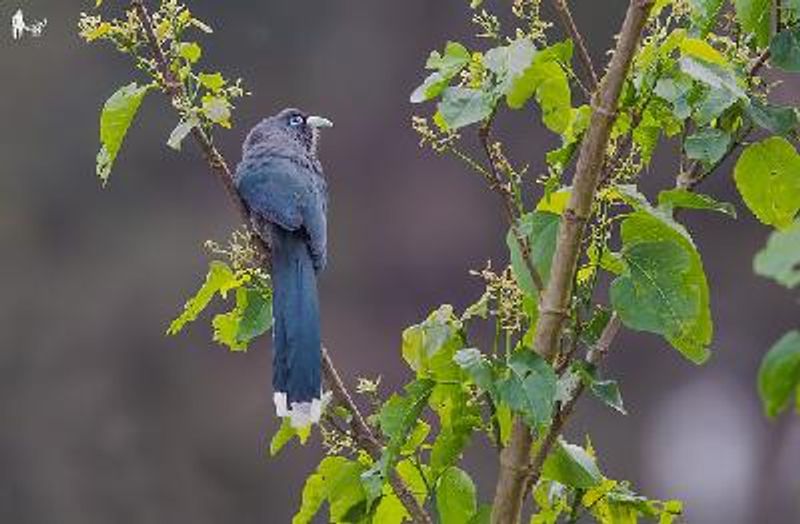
(555, 300)
(568, 22)
(361, 431)
(496, 184)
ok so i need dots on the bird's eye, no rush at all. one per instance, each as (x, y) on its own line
(296, 120)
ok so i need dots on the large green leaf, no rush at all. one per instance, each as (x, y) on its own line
(541, 229)
(458, 416)
(462, 106)
(399, 414)
(785, 49)
(777, 119)
(455, 497)
(572, 466)
(680, 311)
(529, 387)
(115, 119)
(755, 17)
(768, 177)
(780, 259)
(250, 318)
(681, 198)
(712, 75)
(336, 481)
(779, 375)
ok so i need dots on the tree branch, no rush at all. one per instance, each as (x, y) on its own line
(361, 431)
(555, 300)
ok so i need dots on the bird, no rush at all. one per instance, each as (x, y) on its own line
(281, 182)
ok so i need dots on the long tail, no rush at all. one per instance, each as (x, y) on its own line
(296, 331)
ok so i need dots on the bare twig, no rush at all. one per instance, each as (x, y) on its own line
(361, 431)
(568, 22)
(555, 301)
(496, 184)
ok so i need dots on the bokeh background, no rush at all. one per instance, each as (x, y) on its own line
(104, 419)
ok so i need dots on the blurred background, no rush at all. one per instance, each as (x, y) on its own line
(105, 419)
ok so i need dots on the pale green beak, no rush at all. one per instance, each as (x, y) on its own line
(318, 121)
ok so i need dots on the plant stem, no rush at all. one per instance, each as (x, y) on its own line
(567, 21)
(361, 431)
(555, 300)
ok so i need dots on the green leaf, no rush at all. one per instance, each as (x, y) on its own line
(336, 481)
(676, 91)
(181, 131)
(447, 65)
(754, 16)
(572, 466)
(220, 279)
(477, 367)
(768, 177)
(462, 106)
(285, 434)
(399, 414)
(681, 198)
(699, 48)
(652, 295)
(540, 228)
(218, 110)
(455, 497)
(713, 103)
(780, 259)
(712, 75)
(785, 49)
(190, 51)
(510, 62)
(708, 145)
(605, 390)
(645, 281)
(529, 387)
(115, 119)
(251, 317)
(779, 375)
(704, 13)
(211, 81)
(777, 119)
(458, 416)
(429, 347)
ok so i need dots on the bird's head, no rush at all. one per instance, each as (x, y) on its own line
(290, 131)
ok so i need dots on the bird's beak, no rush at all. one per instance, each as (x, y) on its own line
(318, 121)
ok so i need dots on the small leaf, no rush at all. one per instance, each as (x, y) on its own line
(285, 434)
(218, 110)
(181, 131)
(704, 13)
(220, 279)
(455, 497)
(681, 198)
(477, 367)
(605, 390)
(779, 375)
(462, 106)
(447, 65)
(190, 51)
(572, 466)
(699, 48)
(708, 145)
(529, 387)
(211, 81)
(780, 259)
(785, 50)
(336, 481)
(118, 113)
(540, 229)
(768, 177)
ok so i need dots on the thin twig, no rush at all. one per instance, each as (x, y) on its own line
(361, 431)
(568, 22)
(496, 184)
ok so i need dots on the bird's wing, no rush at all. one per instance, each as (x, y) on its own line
(315, 220)
(275, 188)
